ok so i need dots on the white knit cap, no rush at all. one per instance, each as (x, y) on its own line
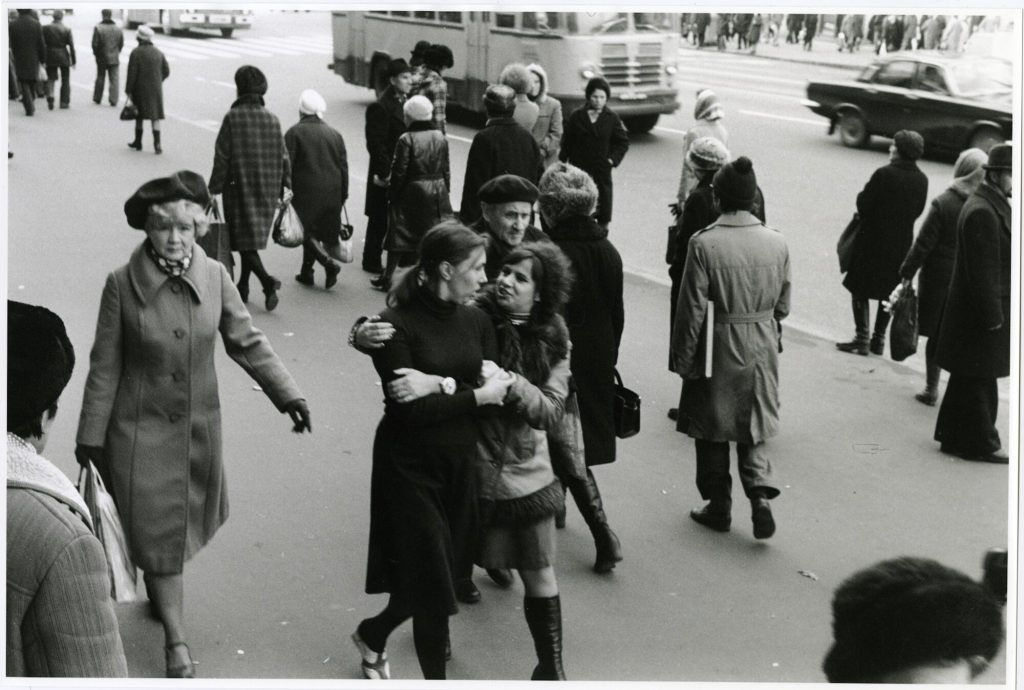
(418, 109)
(312, 103)
(145, 33)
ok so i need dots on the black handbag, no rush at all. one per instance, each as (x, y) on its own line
(129, 112)
(626, 410)
(903, 330)
(844, 248)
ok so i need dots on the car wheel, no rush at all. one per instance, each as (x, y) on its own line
(226, 33)
(640, 124)
(853, 131)
(985, 138)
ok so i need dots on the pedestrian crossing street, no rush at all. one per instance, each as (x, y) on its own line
(207, 47)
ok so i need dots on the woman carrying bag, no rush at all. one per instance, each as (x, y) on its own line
(147, 70)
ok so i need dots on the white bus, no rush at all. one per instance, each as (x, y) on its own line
(173, 21)
(636, 52)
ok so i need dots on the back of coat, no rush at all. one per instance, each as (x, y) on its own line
(147, 69)
(319, 165)
(26, 42)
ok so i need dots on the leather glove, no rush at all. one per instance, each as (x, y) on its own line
(676, 211)
(85, 454)
(298, 410)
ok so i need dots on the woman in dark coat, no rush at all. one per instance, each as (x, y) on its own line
(151, 414)
(888, 206)
(251, 168)
(419, 186)
(320, 184)
(595, 316)
(596, 141)
(147, 70)
(933, 253)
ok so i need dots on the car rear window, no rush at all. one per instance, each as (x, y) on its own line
(982, 77)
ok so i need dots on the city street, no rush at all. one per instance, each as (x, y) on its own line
(280, 589)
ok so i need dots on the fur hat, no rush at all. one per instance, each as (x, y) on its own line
(909, 144)
(312, 103)
(418, 109)
(735, 182)
(40, 359)
(516, 76)
(707, 106)
(565, 191)
(438, 56)
(183, 184)
(499, 100)
(396, 67)
(144, 34)
(598, 83)
(250, 80)
(1000, 157)
(505, 188)
(707, 153)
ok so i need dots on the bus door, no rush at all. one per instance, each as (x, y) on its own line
(478, 30)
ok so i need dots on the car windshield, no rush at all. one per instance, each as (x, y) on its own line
(982, 77)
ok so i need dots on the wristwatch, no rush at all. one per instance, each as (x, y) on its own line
(448, 385)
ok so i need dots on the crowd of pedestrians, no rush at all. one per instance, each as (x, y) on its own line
(503, 323)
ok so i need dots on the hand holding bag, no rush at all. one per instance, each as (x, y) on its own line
(107, 527)
(287, 229)
(903, 330)
(344, 251)
(129, 111)
(565, 442)
(626, 410)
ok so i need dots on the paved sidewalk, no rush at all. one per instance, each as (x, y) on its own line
(824, 52)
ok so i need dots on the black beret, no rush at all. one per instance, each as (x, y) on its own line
(396, 67)
(249, 79)
(183, 184)
(505, 188)
(40, 359)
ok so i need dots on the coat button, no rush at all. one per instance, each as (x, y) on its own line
(175, 417)
(179, 333)
(175, 288)
(178, 376)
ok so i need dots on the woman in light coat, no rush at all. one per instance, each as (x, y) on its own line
(547, 130)
(151, 413)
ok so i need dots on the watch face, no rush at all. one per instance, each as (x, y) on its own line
(448, 386)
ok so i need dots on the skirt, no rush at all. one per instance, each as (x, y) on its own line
(530, 547)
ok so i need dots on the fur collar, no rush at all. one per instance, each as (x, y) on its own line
(26, 469)
(531, 349)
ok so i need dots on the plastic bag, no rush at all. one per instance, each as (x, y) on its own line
(287, 229)
(903, 331)
(107, 527)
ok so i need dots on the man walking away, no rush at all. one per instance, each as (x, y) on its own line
(26, 41)
(60, 55)
(107, 42)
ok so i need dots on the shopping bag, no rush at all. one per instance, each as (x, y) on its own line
(287, 229)
(341, 250)
(565, 442)
(903, 329)
(626, 410)
(107, 527)
(217, 240)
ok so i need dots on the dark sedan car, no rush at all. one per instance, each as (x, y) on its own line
(954, 102)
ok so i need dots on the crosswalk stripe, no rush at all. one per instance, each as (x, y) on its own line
(189, 48)
(266, 43)
(234, 47)
(307, 44)
(203, 47)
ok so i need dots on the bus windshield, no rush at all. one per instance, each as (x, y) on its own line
(591, 23)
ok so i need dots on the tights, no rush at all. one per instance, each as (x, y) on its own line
(251, 263)
(429, 634)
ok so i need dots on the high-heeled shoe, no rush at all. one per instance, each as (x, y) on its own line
(186, 670)
(373, 664)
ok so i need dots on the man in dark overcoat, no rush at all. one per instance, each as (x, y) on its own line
(60, 57)
(251, 168)
(974, 336)
(26, 41)
(502, 147)
(384, 124)
(888, 205)
(107, 43)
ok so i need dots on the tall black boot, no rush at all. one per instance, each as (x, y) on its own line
(588, 500)
(861, 313)
(544, 616)
(156, 141)
(137, 144)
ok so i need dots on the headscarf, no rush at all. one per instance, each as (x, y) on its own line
(312, 103)
(968, 171)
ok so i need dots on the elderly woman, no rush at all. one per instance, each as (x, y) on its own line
(547, 130)
(514, 467)
(147, 70)
(518, 78)
(151, 415)
(423, 520)
(251, 168)
(595, 316)
(933, 252)
(708, 113)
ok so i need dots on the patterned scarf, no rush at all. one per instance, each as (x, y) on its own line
(173, 268)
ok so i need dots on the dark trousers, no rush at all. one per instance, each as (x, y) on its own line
(862, 317)
(376, 227)
(65, 83)
(103, 71)
(714, 481)
(28, 95)
(967, 416)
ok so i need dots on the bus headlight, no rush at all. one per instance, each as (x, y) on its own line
(670, 70)
(588, 70)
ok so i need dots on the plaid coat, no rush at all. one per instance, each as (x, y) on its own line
(250, 168)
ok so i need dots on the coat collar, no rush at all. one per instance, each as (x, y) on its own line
(904, 164)
(1000, 204)
(497, 121)
(26, 469)
(421, 126)
(577, 228)
(146, 278)
(737, 219)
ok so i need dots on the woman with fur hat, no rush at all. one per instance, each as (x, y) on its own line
(147, 70)
(708, 113)
(151, 414)
(431, 84)
(595, 140)
(547, 130)
(595, 316)
(515, 478)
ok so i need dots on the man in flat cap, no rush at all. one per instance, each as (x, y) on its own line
(506, 202)
(60, 620)
(502, 147)
(888, 205)
(974, 334)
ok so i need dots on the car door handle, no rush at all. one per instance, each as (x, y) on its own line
(912, 96)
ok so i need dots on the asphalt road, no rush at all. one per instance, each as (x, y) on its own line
(278, 591)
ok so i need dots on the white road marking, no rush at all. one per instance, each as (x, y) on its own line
(785, 118)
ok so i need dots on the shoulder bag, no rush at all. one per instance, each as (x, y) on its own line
(626, 410)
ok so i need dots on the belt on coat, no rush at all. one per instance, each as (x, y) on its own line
(749, 317)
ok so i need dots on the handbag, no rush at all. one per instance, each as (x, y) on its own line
(903, 329)
(287, 228)
(129, 112)
(626, 410)
(844, 247)
(217, 241)
(565, 441)
(107, 527)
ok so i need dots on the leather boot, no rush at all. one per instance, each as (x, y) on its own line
(588, 500)
(560, 513)
(544, 616)
(859, 344)
(137, 144)
(156, 142)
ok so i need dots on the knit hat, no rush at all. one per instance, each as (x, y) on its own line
(40, 359)
(1000, 157)
(250, 80)
(144, 34)
(707, 153)
(736, 182)
(183, 184)
(396, 67)
(565, 191)
(312, 103)
(598, 83)
(418, 109)
(909, 144)
(707, 106)
(499, 100)
(505, 188)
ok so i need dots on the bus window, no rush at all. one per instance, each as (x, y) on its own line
(600, 22)
(425, 15)
(504, 20)
(541, 21)
(452, 17)
(654, 21)
(399, 14)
